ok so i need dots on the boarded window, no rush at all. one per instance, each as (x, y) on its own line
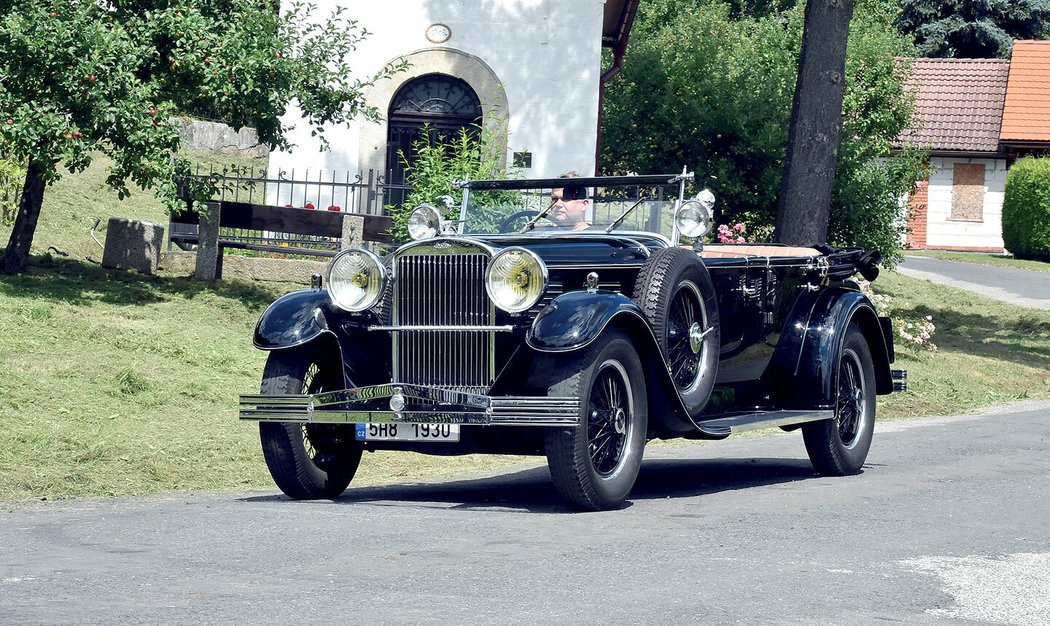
(968, 192)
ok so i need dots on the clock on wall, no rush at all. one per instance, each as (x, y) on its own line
(439, 33)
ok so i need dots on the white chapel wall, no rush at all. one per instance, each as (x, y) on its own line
(545, 55)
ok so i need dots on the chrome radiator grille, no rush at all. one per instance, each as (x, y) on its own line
(443, 289)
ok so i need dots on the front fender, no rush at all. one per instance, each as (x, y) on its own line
(293, 319)
(575, 319)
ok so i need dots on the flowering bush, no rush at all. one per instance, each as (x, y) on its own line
(734, 234)
(913, 332)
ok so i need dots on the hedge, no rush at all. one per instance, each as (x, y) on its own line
(1026, 209)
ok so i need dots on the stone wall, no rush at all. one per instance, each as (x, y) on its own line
(203, 135)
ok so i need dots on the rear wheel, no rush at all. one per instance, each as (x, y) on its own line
(839, 446)
(307, 461)
(595, 464)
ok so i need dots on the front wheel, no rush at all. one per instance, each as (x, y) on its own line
(595, 464)
(307, 461)
(839, 446)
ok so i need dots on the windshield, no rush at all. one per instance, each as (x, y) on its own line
(572, 206)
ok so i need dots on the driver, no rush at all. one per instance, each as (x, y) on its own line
(570, 207)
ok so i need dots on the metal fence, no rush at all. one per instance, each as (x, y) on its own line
(316, 190)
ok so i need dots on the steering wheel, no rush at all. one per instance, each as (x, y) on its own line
(522, 217)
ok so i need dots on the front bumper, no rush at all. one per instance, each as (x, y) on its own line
(406, 403)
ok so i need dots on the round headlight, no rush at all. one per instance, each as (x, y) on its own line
(516, 279)
(355, 279)
(424, 222)
(693, 219)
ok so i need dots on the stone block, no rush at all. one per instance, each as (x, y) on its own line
(353, 230)
(132, 244)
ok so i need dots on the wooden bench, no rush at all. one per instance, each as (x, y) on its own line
(273, 220)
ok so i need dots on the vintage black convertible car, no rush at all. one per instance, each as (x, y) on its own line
(577, 318)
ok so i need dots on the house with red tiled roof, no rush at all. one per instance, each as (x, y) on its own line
(976, 117)
(958, 114)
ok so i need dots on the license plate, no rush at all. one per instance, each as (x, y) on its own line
(407, 432)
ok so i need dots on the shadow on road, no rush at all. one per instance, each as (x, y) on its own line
(531, 490)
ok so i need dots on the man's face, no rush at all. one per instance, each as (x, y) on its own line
(566, 212)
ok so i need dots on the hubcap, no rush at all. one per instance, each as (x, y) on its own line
(696, 337)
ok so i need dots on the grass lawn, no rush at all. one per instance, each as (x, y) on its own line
(989, 352)
(113, 383)
(982, 258)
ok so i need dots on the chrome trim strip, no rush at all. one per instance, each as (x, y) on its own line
(435, 241)
(466, 329)
(486, 410)
(592, 266)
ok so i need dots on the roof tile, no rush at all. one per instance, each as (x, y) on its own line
(958, 104)
(1026, 116)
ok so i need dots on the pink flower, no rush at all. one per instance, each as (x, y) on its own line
(741, 240)
(738, 228)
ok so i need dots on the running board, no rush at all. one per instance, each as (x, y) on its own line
(722, 427)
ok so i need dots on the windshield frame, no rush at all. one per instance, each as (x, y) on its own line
(592, 182)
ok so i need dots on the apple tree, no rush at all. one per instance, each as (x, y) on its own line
(79, 77)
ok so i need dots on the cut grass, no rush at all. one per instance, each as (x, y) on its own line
(982, 258)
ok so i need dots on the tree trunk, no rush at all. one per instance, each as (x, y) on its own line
(804, 206)
(16, 257)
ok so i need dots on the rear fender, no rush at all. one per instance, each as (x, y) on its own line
(803, 369)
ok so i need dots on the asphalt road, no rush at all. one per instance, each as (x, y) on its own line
(948, 523)
(1010, 284)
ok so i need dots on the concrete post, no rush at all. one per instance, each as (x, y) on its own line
(209, 261)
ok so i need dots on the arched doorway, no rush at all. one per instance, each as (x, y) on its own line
(445, 103)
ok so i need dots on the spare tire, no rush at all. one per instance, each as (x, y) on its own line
(675, 291)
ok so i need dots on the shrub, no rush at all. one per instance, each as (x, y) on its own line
(439, 161)
(1026, 209)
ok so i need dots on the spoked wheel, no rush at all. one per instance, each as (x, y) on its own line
(675, 292)
(839, 446)
(611, 408)
(595, 464)
(687, 327)
(307, 461)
